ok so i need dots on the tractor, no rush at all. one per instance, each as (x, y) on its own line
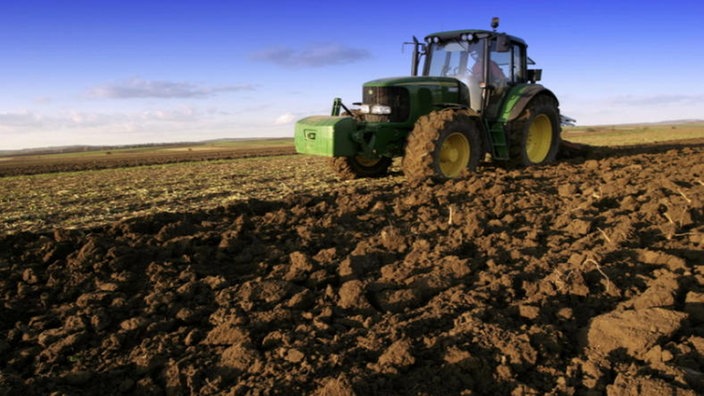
(475, 99)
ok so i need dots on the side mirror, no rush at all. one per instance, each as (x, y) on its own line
(503, 44)
(419, 49)
(534, 75)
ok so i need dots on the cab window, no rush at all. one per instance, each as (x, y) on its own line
(509, 62)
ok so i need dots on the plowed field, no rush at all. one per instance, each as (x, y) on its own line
(584, 277)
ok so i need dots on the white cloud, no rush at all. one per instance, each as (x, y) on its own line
(658, 100)
(140, 88)
(285, 119)
(28, 129)
(20, 119)
(612, 110)
(317, 55)
(26, 121)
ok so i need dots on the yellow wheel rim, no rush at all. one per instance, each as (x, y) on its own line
(454, 154)
(539, 139)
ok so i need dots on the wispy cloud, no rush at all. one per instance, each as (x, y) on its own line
(317, 55)
(75, 119)
(140, 88)
(20, 119)
(24, 129)
(633, 100)
(172, 123)
(285, 119)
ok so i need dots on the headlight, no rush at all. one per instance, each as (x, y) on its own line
(380, 109)
(374, 109)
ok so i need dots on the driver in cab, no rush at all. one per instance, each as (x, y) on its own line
(496, 75)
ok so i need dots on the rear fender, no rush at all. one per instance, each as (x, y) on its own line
(518, 98)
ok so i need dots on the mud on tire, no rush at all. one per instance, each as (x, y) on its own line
(348, 168)
(534, 137)
(424, 155)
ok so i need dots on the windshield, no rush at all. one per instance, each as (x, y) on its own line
(454, 58)
(462, 60)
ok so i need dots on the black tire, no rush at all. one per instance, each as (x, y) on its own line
(443, 145)
(534, 137)
(358, 166)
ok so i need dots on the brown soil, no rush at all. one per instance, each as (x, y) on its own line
(585, 276)
(36, 164)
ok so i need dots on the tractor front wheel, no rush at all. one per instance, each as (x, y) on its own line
(535, 135)
(360, 166)
(442, 146)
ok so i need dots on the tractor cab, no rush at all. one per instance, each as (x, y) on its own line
(487, 62)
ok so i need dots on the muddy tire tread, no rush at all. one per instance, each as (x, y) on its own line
(347, 168)
(422, 142)
(517, 128)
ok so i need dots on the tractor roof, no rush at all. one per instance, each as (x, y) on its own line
(455, 34)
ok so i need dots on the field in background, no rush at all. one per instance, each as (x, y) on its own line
(85, 158)
(89, 198)
(87, 189)
(626, 135)
(617, 135)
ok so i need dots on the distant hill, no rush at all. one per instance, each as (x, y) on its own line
(81, 149)
(87, 148)
(678, 122)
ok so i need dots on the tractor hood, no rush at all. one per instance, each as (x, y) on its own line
(413, 81)
(398, 99)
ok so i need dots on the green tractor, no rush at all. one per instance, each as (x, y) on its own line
(475, 97)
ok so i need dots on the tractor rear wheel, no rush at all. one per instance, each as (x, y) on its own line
(535, 135)
(443, 145)
(360, 166)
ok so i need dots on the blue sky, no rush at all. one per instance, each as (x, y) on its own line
(124, 72)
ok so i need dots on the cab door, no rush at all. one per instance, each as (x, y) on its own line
(506, 67)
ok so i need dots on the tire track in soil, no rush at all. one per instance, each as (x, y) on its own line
(582, 276)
